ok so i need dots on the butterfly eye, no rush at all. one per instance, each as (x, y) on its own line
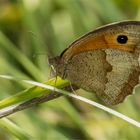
(122, 39)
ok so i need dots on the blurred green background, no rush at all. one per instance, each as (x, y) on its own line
(36, 29)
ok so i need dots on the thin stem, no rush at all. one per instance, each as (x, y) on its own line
(35, 101)
(29, 103)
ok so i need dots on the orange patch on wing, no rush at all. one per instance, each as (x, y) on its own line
(91, 43)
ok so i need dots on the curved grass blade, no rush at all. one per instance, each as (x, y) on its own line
(32, 92)
(111, 111)
(15, 130)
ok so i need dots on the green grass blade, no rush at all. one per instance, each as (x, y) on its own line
(21, 58)
(32, 92)
(13, 129)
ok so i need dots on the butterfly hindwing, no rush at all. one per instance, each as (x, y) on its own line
(123, 77)
(110, 73)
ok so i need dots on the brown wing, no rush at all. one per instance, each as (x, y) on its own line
(89, 71)
(111, 73)
(123, 77)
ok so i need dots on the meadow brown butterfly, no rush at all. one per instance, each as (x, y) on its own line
(104, 61)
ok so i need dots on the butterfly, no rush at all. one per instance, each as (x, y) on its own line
(104, 61)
